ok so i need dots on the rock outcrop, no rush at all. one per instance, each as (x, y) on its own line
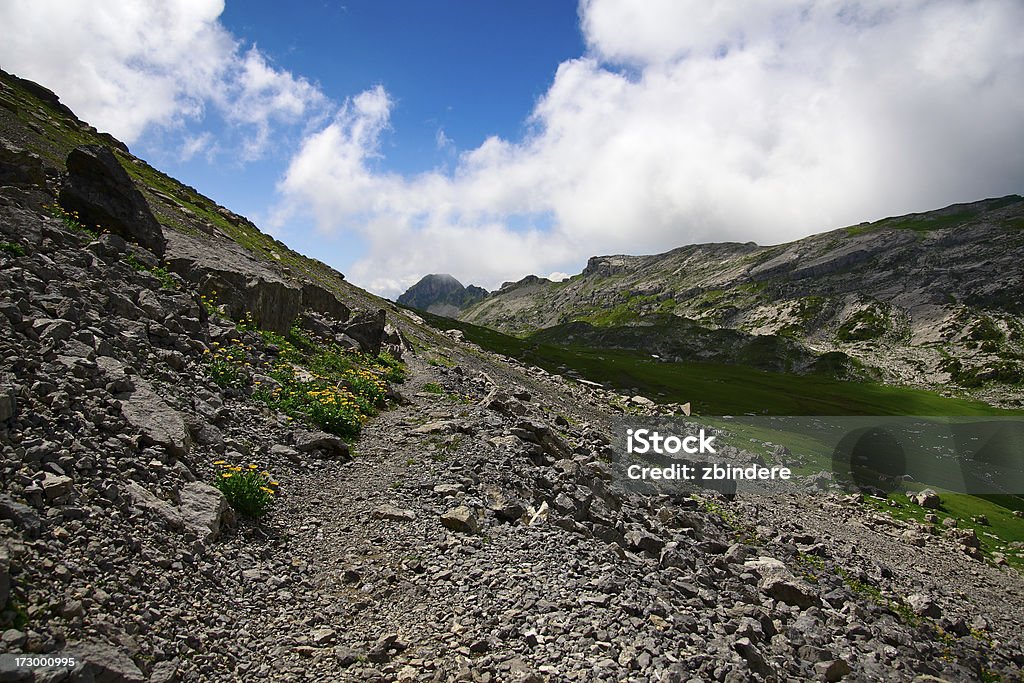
(100, 193)
(908, 300)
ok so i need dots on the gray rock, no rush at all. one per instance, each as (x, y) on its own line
(159, 424)
(321, 300)
(102, 663)
(164, 672)
(461, 519)
(243, 283)
(438, 427)
(102, 193)
(642, 401)
(790, 591)
(8, 403)
(11, 673)
(367, 329)
(753, 657)
(19, 167)
(832, 671)
(204, 509)
(323, 636)
(552, 444)
(642, 540)
(448, 489)
(968, 538)
(394, 513)
(924, 606)
(927, 499)
(25, 519)
(5, 577)
(55, 486)
(322, 443)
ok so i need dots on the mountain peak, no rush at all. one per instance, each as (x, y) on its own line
(441, 294)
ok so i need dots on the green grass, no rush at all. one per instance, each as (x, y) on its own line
(964, 508)
(159, 272)
(248, 490)
(722, 389)
(12, 248)
(924, 222)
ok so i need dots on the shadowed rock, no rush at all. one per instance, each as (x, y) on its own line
(102, 193)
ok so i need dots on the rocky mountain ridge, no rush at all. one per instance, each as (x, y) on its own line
(929, 300)
(441, 294)
(468, 527)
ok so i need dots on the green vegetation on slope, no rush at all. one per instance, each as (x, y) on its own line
(720, 389)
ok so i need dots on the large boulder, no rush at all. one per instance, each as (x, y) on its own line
(926, 499)
(323, 301)
(203, 509)
(236, 279)
(461, 519)
(368, 330)
(159, 423)
(99, 190)
(20, 168)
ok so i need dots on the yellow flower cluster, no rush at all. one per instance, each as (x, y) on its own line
(333, 397)
(248, 490)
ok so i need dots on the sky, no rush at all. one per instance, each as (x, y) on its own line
(492, 140)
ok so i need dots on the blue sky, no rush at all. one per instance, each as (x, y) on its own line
(459, 73)
(493, 140)
(471, 69)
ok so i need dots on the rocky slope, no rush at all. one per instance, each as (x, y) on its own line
(474, 530)
(441, 295)
(927, 299)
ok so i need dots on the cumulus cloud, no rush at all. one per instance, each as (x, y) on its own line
(691, 121)
(129, 66)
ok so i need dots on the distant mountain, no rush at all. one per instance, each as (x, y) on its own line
(930, 299)
(441, 294)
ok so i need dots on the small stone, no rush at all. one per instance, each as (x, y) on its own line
(924, 606)
(926, 499)
(790, 591)
(393, 513)
(832, 671)
(461, 519)
(323, 636)
(55, 485)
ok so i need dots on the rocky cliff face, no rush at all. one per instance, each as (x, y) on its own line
(469, 526)
(926, 299)
(441, 295)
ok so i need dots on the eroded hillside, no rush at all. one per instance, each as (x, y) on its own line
(930, 300)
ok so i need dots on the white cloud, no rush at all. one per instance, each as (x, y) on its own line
(695, 121)
(444, 143)
(128, 66)
(196, 144)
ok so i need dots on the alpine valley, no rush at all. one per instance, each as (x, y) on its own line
(221, 461)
